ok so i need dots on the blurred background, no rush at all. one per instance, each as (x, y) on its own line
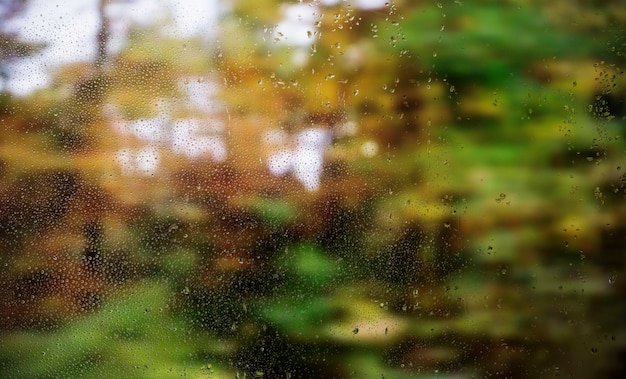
(312, 189)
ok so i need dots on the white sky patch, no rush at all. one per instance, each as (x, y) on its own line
(309, 156)
(69, 27)
(363, 4)
(125, 158)
(305, 161)
(371, 4)
(191, 137)
(147, 160)
(195, 17)
(142, 12)
(280, 163)
(201, 93)
(144, 161)
(122, 16)
(150, 129)
(216, 146)
(298, 25)
(187, 139)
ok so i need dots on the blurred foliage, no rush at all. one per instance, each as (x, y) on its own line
(469, 220)
(487, 41)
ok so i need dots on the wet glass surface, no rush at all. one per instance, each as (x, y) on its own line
(312, 189)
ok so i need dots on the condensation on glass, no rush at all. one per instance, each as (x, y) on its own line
(304, 189)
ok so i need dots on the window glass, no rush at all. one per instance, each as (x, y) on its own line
(313, 188)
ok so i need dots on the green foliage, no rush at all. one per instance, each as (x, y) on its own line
(133, 334)
(303, 305)
(274, 212)
(306, 265)
(486, 41)
(298, 317)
